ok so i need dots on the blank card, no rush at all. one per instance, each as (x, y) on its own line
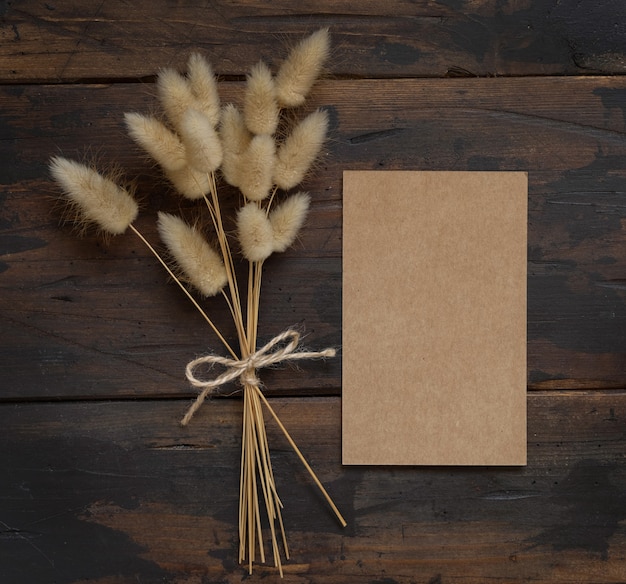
(434, 318)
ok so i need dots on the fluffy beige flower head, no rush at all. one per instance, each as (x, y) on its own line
(204, 87)
(190, 183)
(175, 95)
(235, 138)
(254, 231)
(257, 168)
(198, 91)
(200, 264)
(300, 149)
(287, 219)
(260, 108)
(202, 143)
(233, 132)
(98, 199)
(157, 140)
(301, 69)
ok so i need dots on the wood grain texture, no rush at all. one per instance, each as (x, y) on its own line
(118, 492)
(62, 40)
(99, 484)
(83, 318)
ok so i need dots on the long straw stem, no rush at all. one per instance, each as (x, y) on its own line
(216, 216)
(302, 459)
(182, 287)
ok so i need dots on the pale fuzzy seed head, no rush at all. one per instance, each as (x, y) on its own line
(98, 199)
(235, 139)
(201, 141)
(301, 68)
(287, 219)
(190, 183)
(257, 168)
(260, 110)
(200, 264)
(233, 132)
(232, 168)
(175, 95)
(254, 231)
(204, 87)
(157, 140)
(300, 149)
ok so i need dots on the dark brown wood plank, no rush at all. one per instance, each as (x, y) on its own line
(81, 318)
(62, 40)
(118, 492)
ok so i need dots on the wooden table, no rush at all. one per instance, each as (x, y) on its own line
(99, 484)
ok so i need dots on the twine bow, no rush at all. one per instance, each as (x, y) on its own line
(245, 369)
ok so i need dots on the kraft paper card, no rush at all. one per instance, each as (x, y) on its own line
(434, 318)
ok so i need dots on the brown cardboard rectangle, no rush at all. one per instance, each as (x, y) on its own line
(434, 318)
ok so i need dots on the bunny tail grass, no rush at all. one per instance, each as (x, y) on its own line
(301, 68)
(255, 234)
(98, 199)
(202, 143)
(300, 149)
(202, 266)
(204, 87)
(257, 168)
(260, 108)
(157, 140)
(287, 219)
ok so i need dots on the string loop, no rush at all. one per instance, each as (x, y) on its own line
(282, 347)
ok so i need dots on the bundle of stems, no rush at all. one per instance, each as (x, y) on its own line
(197, 143)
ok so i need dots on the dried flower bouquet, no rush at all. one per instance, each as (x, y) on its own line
(198, 143)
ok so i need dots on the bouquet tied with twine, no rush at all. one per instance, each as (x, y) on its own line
(197, 143)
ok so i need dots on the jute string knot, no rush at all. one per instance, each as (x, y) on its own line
(281, 348)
